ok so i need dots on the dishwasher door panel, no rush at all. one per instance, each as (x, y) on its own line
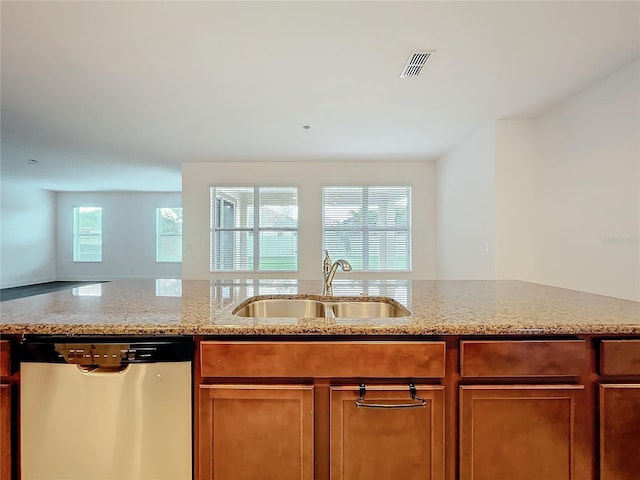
(128, 425)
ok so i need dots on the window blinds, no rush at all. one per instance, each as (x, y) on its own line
(370, 226)
(254, 229)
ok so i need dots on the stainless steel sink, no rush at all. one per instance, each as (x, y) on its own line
(276, 308)
(376, 308)
(320, 307)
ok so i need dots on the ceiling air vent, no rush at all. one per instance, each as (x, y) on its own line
(414, 65)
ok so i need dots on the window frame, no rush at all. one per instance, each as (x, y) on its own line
(365, 229)
(160, 235)
(256, 229)
(77, 235)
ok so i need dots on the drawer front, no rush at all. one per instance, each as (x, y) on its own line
(5, 368)
(522, 358)
(322, 359)
(620, 357)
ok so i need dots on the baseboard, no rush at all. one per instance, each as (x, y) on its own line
(27, 282)
(101, 278)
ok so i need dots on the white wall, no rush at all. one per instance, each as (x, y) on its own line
(128, 236)
(27, 235)
(515, 200)
(560, 192)
(587, 189)
(309, 177)
(466, 208)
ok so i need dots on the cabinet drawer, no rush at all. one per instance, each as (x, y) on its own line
(522, 358)
(5, 368)
(322, 359)
(620, 357)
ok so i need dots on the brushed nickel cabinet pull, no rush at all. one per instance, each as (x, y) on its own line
(416, 401)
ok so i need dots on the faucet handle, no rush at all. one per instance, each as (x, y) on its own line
(326, 263)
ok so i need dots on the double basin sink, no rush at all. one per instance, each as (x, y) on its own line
(318, 306)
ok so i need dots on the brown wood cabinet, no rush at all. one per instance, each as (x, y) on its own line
(496, 408)
(5, 432)
(620, 357)
(523, 432)
(619, 409)
(5, 412)
(286, 410)
(522, 358)
(529, 426)
(619, 431)
(387, 443)
(324, 359)
(256, 431)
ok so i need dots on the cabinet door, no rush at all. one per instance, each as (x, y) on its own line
(524, 432)
(5, 432)
(387, 443)
(249, 432)
(619, 432)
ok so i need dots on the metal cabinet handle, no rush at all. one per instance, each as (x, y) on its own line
(416, 401)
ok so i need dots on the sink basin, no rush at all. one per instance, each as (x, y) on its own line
(277, 307)
(369, 309)
(320, 307)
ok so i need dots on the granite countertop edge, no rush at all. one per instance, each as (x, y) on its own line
(314, 330)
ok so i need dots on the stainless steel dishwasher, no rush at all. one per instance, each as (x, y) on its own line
(106, 409)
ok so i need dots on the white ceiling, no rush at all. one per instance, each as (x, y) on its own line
(117, 95)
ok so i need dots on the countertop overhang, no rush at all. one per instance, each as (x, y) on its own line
(202, 307)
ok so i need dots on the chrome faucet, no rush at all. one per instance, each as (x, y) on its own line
(329, 271)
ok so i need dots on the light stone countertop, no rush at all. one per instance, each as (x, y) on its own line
(201, 307)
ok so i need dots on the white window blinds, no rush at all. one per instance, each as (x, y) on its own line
(370, 226)
(254, 229)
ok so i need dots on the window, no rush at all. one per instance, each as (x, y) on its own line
(368, 226)
(169, 234)
(87, 234)
(254, 229)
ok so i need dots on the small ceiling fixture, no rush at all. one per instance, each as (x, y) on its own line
(416, 61)
(33, 161)
(306, 127)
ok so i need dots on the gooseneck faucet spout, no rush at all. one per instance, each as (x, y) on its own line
(329, 271)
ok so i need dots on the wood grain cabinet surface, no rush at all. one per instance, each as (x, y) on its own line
(383, 443)
(620, 357)
(522, 358)
(619, 410)
(285, 410)
(619, 431)
(5, 354)
(327, 359)
(5, 432)
(5, 411)
(249, 432)
(524, 432)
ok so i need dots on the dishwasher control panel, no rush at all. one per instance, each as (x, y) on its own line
(105, 353)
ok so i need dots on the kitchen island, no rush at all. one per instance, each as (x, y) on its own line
(199, 307)
(485, 380)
